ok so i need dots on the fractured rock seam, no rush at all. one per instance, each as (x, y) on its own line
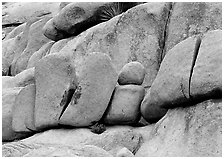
(165, 32)
(67, 97)
(195, 54)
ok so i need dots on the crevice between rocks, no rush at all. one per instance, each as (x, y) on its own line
(195, 55)
(163, 38)
(67, 97)
(11, 25)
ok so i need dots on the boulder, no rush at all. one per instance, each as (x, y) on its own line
(35, 41)
(132, 73)
(21, 12)
(23, 110)
(16, 31)
(22, 79)
(124, 152)
(192, 18)
(97, 79)
(194, 131)
(54, 74)
(151, 112)
(75, 13)
(43, 51)
(57, 46)
(21, 43)
(51, 32)
(133, 36)
(8, 99)
(125, 104)
(112, 140)
(171, 86)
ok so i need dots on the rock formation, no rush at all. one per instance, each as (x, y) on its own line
(121, 79)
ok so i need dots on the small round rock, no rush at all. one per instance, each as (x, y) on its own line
(132, 73)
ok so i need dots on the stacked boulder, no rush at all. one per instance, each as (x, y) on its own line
(125, 104)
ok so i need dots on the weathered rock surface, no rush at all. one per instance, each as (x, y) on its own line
(35, 41)
(125, 105)
(191, 18)
(53, 76)
(187, 132)
(132, 73)
(57, 46)
(22, 79)
(8, 99)
(97, 79)
(23, 110)
(124, 152)
(16, 31)
(171, 86)
(43, 51)
(127, 38)
(51, 32)
(21, 12)
(21, 43)
(112, 140)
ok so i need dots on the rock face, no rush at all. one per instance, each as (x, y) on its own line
(22, 79)
(43, 51)
(23, 110)
(171, 86)
(132, 73)
(188, 19)
(8, 98)
(35, 41)
(125, 105)
(112, 140)
(21, 12)
(53, 76)
(96, 81)
(187, 132)
(51, 32)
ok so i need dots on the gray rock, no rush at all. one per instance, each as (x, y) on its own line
(97, 79)
(125, 105)
(43, 51)
(132, 36)
(21, 12)
(23, 110)
(132, 73)
(51, 141)
(35, 41)
(51, 32)
(171, 86)
(8, 99)
(124, 152)
(192, 18)
(53, 76)
(194, 131)
(22, 79)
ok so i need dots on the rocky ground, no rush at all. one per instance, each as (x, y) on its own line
(112, 79)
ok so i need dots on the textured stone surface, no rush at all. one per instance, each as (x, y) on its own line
(191, 18)
(110, 141)
(23, 110)
(43, 51)
(132, 73)
(8, 99)
(171, 86)
(97, 79)
(35, 41)
(194, 131)
(132, 36)
(22, 79)
(21, 12)
(57, 46)
(125, 105)
(53, 76)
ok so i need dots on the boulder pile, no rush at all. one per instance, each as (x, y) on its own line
(112, 79)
